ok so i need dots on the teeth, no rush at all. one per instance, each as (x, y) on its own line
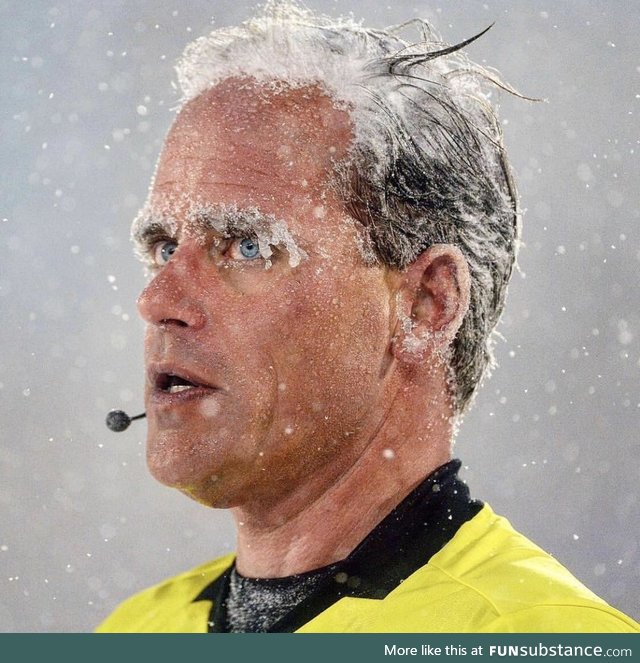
(176, 388)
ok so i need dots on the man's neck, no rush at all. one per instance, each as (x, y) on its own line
(304, 534)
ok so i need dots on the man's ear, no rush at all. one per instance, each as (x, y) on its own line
(431, 303)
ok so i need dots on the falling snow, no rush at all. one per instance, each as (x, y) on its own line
(87, 97)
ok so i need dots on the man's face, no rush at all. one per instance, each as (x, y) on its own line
(262, 376)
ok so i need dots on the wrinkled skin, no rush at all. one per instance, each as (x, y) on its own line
(298, 356)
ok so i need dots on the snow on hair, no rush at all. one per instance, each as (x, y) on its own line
(427, 164)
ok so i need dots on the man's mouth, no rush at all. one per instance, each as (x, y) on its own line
(173, 387)
(174, 384)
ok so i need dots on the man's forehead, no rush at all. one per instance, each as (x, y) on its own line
(181, 206)
(272, 179)
(280, 133)
(289, 104)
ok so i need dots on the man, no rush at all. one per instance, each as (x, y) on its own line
(330, 233)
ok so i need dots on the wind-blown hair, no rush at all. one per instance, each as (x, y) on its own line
(427, 164)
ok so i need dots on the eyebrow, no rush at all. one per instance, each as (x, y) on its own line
(146, 229)
(229, 221)
(226, 221)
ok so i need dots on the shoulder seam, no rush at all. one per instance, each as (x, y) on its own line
(460, 581)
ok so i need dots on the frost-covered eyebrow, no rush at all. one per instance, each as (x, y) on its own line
(230, 221)
(146, 230)
(225, 221)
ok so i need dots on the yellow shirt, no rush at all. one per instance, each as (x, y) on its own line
(487, 579)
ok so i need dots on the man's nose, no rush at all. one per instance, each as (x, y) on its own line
(170, 297)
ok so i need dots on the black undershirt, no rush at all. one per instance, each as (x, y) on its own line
(398, 546)
(254, 605)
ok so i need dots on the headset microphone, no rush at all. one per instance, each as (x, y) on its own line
(117, 420)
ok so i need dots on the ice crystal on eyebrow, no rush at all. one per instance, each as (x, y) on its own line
(149, 226)
(231, 221)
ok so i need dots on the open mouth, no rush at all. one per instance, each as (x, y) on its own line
(170, 383)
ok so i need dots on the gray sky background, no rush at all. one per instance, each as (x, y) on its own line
(552, 442)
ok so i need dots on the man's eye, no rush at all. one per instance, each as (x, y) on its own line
(244, 249)
(163, 251)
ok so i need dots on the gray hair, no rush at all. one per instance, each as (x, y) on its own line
(427, 164)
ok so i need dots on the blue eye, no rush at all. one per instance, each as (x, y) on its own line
(163, 251)
(249, 248)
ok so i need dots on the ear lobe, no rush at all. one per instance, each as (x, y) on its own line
(432, 302)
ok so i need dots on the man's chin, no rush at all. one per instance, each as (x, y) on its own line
(184, 472)
(207, 494)
(205, 489)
